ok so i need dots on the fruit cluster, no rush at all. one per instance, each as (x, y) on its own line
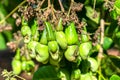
(55, 46)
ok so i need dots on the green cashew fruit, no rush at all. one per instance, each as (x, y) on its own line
(50, 34)
(71, 34)
(59, 26)
(60, 35)
(16, 66)
(24, 65)
(42, 51)
(28, 65)
(17, 55)
(24, 22)
(55, 61)
(61, 39)
(70, 53)
(31, 47)
(84, 49)
(55, 55)
(84, 35)
(27, 39)
(93, 64)
(76, 74)
(34, 31)
(43, 39)
(25, 30)
(53, 49)
(53, 46)
(107, 43)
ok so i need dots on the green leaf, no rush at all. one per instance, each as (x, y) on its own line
(117, 3)
(46, 73)
(90, 14)
(8, 35)
(114, 77)
(117, 6)
(113, 14)
(2, 42)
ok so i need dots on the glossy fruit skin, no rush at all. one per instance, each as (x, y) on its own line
(84, 35)
(53, 46)
(31, 47)
(93, 64)
(16, 66)
(84, 49)
(42, 51)
(107, 43)
(24, 65)
(71, 34)
(30, 65)
(27, 65)
(17, 55)
(59, 27)
(25, 30)
(43, 39)
(70, 53)
(61, 39)
(34, 31)
(50, 34)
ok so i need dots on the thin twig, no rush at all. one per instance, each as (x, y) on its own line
(12, 12)
(61, 6)
(54, 17)
(40, 4)
(100, 54)
(102, 24)
(49, 4)
(94, 4)
(20, 77)
(70, 7)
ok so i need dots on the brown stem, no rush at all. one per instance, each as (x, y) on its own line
(40, 4)
(49, 4)
(70, 7)
(100, 54)
(53, 12)
(102, 24)
(61, 6)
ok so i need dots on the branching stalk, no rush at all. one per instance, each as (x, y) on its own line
(70, 7)
(61, 6)
(12, 12)
(100, 54)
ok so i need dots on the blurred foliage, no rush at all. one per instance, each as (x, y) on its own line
(6, 6)
(93, 11)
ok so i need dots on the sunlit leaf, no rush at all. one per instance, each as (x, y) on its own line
(114, 77)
